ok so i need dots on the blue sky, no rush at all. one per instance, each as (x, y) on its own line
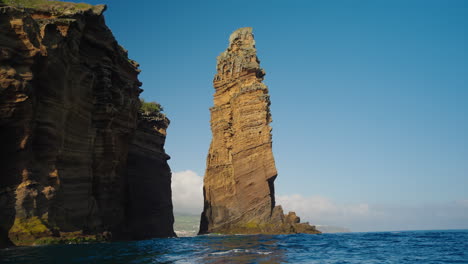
(369, 98)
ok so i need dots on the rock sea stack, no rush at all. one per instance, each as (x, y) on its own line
(239, 193)
(79, 162)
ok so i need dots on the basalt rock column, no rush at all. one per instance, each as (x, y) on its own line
(239, 194)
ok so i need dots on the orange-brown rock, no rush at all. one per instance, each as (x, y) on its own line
(68, 114)
(239, 194)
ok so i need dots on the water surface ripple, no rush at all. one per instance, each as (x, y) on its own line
(364, 248)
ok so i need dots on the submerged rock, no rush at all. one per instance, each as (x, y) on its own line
(239, 195)
(69, 102)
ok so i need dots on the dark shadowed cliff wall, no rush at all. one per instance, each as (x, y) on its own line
(68, 112)
(150, 209)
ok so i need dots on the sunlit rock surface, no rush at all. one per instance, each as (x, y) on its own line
(239, 179)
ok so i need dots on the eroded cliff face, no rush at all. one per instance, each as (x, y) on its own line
(150, 211)
(239, 180)
(68, 112)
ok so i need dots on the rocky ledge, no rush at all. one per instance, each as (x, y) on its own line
(73, 166)
(239, 194)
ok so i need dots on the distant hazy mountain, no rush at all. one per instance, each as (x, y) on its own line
(332, 229)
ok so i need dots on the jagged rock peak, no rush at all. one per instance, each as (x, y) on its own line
(239, 194)
(242, 38)
(240, 57)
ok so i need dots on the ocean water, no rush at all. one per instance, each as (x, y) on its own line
(382, 247)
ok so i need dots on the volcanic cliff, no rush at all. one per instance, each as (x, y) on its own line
(239, 195)
(77, 160)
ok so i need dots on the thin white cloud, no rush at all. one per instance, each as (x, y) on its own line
(321, 210)
(187, 197)
(187, 192)
(374, 217)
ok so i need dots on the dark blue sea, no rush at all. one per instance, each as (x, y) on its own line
(382, 247)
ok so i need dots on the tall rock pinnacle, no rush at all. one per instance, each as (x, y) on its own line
(239, 195)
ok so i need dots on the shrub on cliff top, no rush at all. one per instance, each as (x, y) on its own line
(150, 107)
(46, 4)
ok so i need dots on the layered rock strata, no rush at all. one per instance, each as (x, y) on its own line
(68, 114)
(150, 211)
(239, 195)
